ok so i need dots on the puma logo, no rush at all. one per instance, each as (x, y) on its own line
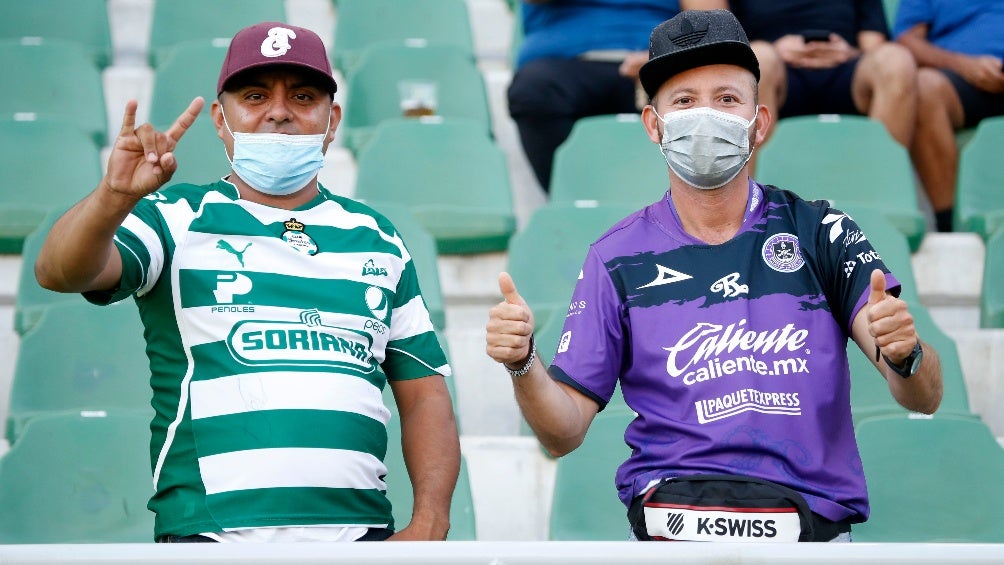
(224, 245)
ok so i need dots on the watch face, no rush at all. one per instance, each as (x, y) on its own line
(917, 356)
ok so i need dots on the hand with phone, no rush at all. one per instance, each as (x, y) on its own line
(815, 49)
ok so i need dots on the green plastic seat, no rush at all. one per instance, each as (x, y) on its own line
(361, 23)
(79, 357)
(45, 165)
(31, 299)
(452, 177)
(585, 506)
(848, 160)
(979, 198)
(890, 7)
(870, 394)
(52, 79)
(609, 159)
(76, 478)
(546, 255)
(187, 70)
(992, 298)
(178, 21)
(463, 526)
(373, 89)
(84, 22)
(918, 470)
(422, 247)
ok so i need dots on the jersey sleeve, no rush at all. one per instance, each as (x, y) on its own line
(413, 349)
(847, 259)
(139, 241)
(871, 14)
(590, 351)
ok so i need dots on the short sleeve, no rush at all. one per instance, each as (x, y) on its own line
(140, 243)
(910, 13)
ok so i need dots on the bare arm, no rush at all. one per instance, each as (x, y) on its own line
(983, 72)
(704, 4)
(558, 414)
(886, 322)
(431, 452)
(78, 254)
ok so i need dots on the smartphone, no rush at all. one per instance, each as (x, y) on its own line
(811, 35)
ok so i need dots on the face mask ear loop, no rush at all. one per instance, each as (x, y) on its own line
(232, 136)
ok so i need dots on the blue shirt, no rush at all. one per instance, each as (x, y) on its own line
(733, 356)
(973, 27)
(569, 28)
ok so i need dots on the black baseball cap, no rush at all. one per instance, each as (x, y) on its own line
(695, 38)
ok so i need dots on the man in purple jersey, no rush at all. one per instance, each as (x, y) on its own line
(723, 310)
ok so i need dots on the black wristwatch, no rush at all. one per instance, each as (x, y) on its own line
(910, 365)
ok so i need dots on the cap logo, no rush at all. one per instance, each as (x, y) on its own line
(687, 35)
(277, 42)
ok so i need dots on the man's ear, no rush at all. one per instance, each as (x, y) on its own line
(653, 124)
(763, 121)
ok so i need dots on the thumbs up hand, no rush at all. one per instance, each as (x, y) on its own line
(510, 325)
(889, 322)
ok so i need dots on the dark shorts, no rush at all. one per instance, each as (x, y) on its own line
(820, 91)
(976, 104)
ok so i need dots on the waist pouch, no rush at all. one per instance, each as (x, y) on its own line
(721, 508)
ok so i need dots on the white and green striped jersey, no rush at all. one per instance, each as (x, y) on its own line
(271, 335)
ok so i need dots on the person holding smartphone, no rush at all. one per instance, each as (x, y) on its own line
(829, 57)
(958, 46)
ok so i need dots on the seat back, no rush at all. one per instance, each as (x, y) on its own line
(80, 357)
(585, 506)
(186, 70)
(53, 79)
(979, 199)
(176, 21)
(448, 173)
(992, 298)
(84, 22)
(361, 23)
(31, 299)
(918, 470)
(848, 160)
(44, 165)
(79, 478)
(375, 89)
(609, 159)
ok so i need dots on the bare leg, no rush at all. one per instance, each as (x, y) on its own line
(934, 152)
(885, 88)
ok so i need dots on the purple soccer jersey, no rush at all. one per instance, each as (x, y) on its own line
(734, 355)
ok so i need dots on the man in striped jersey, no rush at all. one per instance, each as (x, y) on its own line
(276, 312)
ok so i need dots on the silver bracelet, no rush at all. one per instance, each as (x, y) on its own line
(529, 362)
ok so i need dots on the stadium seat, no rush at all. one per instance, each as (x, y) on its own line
(992, 298)
(546, 255)
(870, 394)
(84, 22)
(79, 357)
(979, 199)
(78, 478)
(373, 92)
(463, 526)
(449, 173)
(890, 7)
(52, 79)
(44, 165)
(585, 506)
(361, 23)
(187, 70)
(422, 248)
(177, 21)
(32, 299)
(849, 160)
(609, 159)
(202, 157)
(918, 470)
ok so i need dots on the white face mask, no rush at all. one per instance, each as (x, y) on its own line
(277, 164)
(705, 147)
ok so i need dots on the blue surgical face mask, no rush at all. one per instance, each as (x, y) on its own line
(277, 164)
(705, 147)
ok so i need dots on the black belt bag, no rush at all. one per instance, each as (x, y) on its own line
(721, 508)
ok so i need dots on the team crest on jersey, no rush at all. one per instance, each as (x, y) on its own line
(297, 238)
(781, 253)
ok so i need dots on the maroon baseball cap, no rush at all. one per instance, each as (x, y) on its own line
(276, 43)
